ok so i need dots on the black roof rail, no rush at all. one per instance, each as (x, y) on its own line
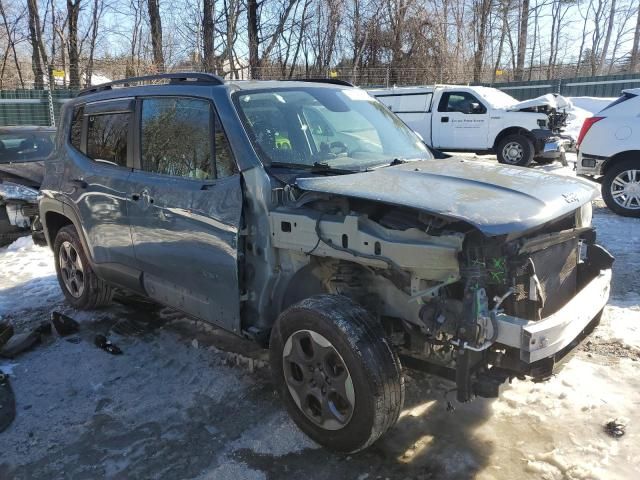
(333, 81)
(178, 77)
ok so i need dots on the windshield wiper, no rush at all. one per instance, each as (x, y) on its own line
(317, 167)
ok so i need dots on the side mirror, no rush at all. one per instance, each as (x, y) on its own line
(476, 108)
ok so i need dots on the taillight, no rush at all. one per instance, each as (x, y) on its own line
(588, 123)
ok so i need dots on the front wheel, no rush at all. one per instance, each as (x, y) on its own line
(621, 188)
(515, 150)
(334, 369)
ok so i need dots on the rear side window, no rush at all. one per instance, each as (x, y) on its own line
(75, 135)
(625, 96)
(177, 138)
(408, 102)
(107, 138)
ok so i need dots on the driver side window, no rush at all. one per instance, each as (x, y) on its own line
(461, 102)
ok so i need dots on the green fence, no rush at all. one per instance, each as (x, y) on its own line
(38, 107)
(32, 107)
(604, 86)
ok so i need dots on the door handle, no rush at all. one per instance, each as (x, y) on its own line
(444, 119)
(135, 197)
(78, 182)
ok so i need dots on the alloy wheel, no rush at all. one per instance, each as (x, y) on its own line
(625, 189)
(318, 379)
(71, 269)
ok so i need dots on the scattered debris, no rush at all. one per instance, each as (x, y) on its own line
(615, 429)
(63, 324)
(7, 402)
(106, 345)
(19, 343)
(6, 332)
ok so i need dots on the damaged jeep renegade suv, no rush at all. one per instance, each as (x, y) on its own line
(309, 218)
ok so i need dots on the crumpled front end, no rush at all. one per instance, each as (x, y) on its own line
(19, 213)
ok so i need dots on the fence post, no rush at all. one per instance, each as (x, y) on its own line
(52, 113)
(559, 86)
(386, 78)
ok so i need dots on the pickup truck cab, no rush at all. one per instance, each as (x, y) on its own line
(482, 120)
(309, 218)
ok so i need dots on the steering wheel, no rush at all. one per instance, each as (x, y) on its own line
(338, 147)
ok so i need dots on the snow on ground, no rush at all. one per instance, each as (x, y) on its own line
(174, 407)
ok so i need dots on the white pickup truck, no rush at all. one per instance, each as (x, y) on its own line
(483, 120)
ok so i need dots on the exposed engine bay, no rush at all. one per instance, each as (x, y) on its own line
(447, 294)
(554, 106)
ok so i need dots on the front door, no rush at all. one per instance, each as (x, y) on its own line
(461, 122)
(186, 208)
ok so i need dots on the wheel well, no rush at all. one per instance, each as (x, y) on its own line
(620, 157)
(54, 222)
(511, 131)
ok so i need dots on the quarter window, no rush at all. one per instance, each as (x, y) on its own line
(107, 138)
(76, 127)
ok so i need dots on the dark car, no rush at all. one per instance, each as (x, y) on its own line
(309, 218)
(22, 153)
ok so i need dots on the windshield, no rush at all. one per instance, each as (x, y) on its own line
(338, 129)
(25, 146)
(497, 98)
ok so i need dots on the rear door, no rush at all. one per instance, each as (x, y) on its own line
(96, 181)
(413, 108)
(186, 208)
(461, 122)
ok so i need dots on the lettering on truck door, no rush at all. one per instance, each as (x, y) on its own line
(461, 122)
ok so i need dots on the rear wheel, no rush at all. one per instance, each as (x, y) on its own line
(334, 369)
(515, 150)
(79, 283)
(621, 188)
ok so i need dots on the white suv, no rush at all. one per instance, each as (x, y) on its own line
(609, 151)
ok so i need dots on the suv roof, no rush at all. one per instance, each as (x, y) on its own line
(209, 79)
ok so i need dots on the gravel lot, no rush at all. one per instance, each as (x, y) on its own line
(188, 401)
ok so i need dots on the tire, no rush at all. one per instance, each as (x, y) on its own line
(515, 150)
(358, 343)
(79, 283)
(626, 172)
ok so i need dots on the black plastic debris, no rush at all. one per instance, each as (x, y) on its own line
(106, 345)
(615, 429)
(43, 329)
(19, 343)
(63, 324)
(7, 402)
(6, 332)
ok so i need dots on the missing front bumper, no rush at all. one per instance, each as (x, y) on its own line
(538, 340)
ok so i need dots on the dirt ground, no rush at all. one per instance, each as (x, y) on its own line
(185, 400)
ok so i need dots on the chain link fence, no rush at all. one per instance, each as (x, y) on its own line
(24, 101)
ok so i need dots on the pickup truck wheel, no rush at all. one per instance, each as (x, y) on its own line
(621, 188)
(515, 150)
(336, 372)
(80, 285)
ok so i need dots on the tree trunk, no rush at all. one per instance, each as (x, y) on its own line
(522, 40)
(35, 40)
(207, 35)
(155, 23)
(607, 38)
(252, 26)
(483, 8)
(635, 50)
(73, 11)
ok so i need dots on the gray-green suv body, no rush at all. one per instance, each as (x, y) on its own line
(309, 218)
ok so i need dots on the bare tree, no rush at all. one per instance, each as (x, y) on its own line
(635, 49)
(155, 23)
(523, 28)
